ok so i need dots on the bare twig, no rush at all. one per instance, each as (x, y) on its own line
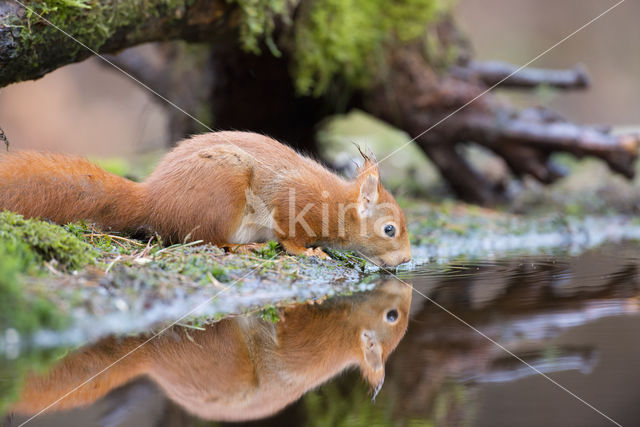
(492, 72)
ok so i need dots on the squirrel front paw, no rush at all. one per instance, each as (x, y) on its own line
(316, 252)
(297, 249)
(244, 248)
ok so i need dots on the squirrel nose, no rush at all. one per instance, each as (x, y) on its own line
(406, 258)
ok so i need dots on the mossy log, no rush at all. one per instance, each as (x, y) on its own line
(284, 59)
(37, 37)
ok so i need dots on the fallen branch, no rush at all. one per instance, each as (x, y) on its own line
(514, 134)
(445, 111)
(493, 72)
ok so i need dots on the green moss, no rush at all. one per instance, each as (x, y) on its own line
(575, 209)
(19, 310)
(82, 4)
(270, 250)
(220, 273)
(105, 244)
(24, 246)
(347, 258)
(258, 21)
(71, 16)
(270, 314)
(346, 39)
(199, 267)
(91, 22)
(45, 241)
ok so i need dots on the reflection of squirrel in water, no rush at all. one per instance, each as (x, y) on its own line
(223, 188)
(239, 368)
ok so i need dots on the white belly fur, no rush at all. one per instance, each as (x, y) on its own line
(257, 223)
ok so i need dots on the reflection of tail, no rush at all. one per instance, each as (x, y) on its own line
(582, 359)
(64, 189)
(63, 386)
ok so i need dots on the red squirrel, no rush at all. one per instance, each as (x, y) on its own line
(239, 368)
(223, 188)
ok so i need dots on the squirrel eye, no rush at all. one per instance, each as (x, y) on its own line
(389, 230)
(392, 315)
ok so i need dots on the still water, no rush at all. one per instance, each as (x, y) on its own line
(508, 323)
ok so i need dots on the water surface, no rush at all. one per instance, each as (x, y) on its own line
(572, 318)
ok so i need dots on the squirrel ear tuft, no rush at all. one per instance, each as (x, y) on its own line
(370, 165)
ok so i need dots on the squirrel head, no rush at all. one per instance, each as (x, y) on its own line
(378, 228)
(385, 320)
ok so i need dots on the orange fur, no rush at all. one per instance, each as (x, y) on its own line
(239, 368)
(63, 189)
(223, 187)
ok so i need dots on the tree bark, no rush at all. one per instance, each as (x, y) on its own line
(31, 45)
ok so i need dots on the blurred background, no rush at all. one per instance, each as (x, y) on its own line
(541, 308)
(92, 109)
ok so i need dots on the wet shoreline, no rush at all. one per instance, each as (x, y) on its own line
(133, 292)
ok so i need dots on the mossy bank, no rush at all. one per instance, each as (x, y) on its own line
(86, 284)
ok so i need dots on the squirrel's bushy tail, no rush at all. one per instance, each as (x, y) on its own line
(65, 189)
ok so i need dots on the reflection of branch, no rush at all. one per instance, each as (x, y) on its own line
(565, 358)
(523, 313)
(492, 72)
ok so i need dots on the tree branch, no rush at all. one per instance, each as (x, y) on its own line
(619, 152)
(436, 109)
(492, 72)
(30, 46)
(466, 182)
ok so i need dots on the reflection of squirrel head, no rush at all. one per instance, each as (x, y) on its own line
(365, 328)
(382, 319)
